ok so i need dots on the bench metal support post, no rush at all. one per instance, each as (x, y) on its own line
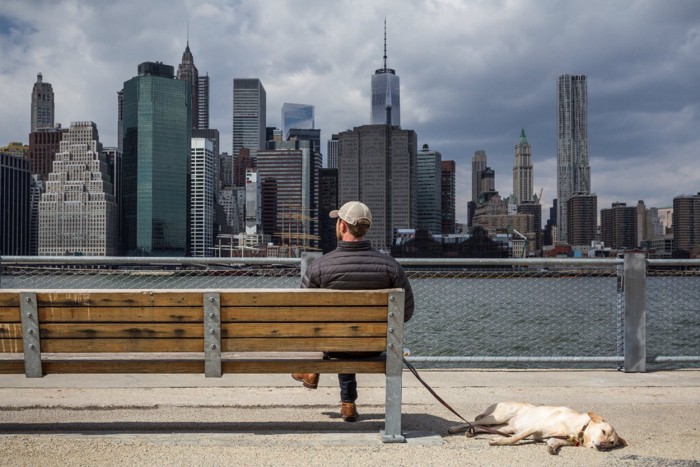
(635, 343)
(394, 369)
(30, 334)
(212, 334)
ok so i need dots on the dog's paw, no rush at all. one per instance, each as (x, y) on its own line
(498, 442)
(553, 450)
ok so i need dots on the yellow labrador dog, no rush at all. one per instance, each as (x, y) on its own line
(560, 426)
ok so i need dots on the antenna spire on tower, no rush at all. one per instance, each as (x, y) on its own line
(385, 44)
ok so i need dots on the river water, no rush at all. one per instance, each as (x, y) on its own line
(558, 316)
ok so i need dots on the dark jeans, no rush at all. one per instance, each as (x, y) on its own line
(347, 381)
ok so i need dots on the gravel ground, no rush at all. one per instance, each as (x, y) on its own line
(267, 420)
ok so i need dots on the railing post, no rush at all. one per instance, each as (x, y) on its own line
(308, 257)
(30, 334)
(212, 334)
(635, 312)
(394, 369)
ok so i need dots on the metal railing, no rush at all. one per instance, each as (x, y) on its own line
(630, 313)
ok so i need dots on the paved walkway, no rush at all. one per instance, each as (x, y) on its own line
(271, 420)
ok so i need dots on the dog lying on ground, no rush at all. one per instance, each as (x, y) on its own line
(559, 426)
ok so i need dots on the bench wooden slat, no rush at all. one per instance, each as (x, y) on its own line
(195, 366)
(8, 345)
(301, 344)
(9, 314)
(196, 331)
(9, 299)
(273, 297)
(285, 344)
(73, 314)
(10, 331)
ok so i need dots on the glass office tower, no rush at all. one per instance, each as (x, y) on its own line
(157, 129)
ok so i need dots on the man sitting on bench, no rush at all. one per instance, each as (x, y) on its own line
(353, 265)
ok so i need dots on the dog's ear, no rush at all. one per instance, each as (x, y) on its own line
(595, 418)
(621, 441)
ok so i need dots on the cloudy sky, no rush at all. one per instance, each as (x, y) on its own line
(473, 73)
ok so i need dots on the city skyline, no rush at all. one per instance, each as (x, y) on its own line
(458, 90)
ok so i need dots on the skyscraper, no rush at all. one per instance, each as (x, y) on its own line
(618, 226)
(202, 197)
(582, 223)
(448, 197)
(202, 122)
(686, 223)
(44, 143)
(156, 162)
(187, 71)
(522, 170)
(42, 105)
(386, 97)
(573, 171)
(77, 213)
(15, 207)
(299, 116)
(332, 157)
(377, 165)
(478, 166)
(429, 179)
(249, 116)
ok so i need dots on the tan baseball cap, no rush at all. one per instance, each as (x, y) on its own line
(352, 212)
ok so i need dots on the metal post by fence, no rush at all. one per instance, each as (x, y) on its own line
(635, 312)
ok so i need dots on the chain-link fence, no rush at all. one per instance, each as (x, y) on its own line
(510, 313)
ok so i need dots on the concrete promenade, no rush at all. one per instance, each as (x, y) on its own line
(271, 420)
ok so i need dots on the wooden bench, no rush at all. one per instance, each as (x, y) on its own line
(205, 331)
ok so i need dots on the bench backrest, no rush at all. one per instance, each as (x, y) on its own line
(208, 321)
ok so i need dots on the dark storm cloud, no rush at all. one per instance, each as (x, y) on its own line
(473, 73)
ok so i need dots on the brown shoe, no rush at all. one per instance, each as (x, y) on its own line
(310, 380)
(348, 411)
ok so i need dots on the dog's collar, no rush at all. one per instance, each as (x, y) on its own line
(577, 440)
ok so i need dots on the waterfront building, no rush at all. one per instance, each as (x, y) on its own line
(522, 171)
(327, 202)
(44, 143)
(582, 223)
(377, 165)
(225, 170)
(249, 117)
(332, 157)
(156, 162)
(448, 197)
(77, 212)
(428, 183)
(686, 224)
(201, 197)
(42, 105)
(533, 208)
(573, 170)
(299, 116)
(619, 226)
(288, 175)
(386, 95)
(15, 205)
